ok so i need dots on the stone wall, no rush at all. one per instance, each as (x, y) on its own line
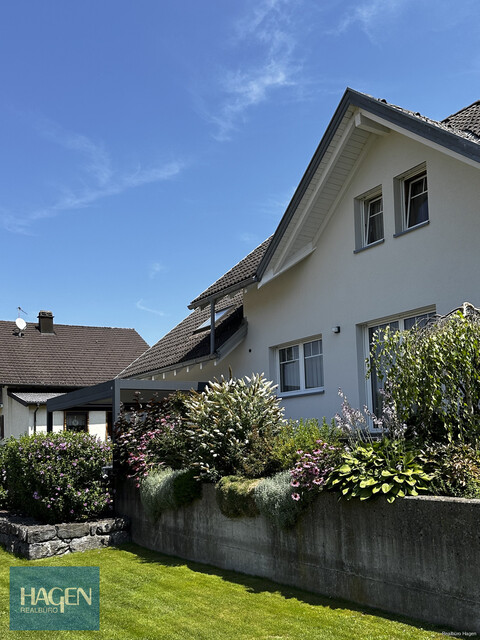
(418, 557)
(25, 537)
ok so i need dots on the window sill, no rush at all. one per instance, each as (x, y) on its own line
(302, 392)
(417, 226)
(369, 246)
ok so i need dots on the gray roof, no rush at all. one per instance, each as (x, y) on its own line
(186, 343)
(73, 356)
(237, 277)
(27, 398)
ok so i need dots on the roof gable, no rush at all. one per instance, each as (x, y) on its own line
(357, 119)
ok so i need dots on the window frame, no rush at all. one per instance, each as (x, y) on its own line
(362, 218)
(80, 412)
(301, 360)
(403, 199)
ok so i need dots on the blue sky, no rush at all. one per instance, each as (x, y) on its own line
(146, 147)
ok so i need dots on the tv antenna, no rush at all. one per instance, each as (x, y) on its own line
(20, 322)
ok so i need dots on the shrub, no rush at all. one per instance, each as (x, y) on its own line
(3, 479)
(232, 427)
(273, 497)
(313, 469)
(151, 434)
(433, 375)
(57, 477)
(456, 469)
(235, 496)
(301, 435)
(166, 488)
(385, 467)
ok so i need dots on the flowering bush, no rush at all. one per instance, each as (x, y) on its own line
(151, 435)
(296, 435)
(456, 469)
(232, 427)
(313, 469)
(57, 477)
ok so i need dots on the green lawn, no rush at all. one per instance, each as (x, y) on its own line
(148, 596)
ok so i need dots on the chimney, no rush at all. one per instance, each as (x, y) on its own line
(45, 322)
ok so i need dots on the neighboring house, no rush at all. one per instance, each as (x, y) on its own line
(384, 228)
(46, 360)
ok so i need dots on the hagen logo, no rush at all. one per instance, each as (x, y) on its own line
(44, 598)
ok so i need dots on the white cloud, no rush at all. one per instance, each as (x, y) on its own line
(102, 181)
(369, 16)
(268, 35)
(156, 268)
(140, 305)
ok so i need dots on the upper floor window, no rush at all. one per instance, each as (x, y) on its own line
(416, 200)
(301, 366)
(373, 220)
(369, 219)
(411, 200)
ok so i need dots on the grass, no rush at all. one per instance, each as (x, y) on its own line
(148, 596)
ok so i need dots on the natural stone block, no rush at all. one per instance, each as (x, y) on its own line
(39, 533)
(72, 529)
(46, 549)
(86, 543)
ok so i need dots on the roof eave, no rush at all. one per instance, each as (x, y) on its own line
(203, 302)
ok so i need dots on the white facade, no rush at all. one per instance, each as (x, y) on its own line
(325, 282)
(22, 420)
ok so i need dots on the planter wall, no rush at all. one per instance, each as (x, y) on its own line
(25, 537)
(418, 557)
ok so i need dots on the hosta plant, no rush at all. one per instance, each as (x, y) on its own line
(385, 468)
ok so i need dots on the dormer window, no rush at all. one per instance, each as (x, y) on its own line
(205, 326)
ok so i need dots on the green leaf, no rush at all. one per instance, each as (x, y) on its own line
(386, 487)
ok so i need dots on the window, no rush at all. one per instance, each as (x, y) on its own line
(401, 323)
(206, 325)
(368, 219)
(411, 200)
(76, 421)
(301, 366)
(373, 220)
(416, 201)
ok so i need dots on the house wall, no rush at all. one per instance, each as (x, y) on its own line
(20, 420)
(434, 267)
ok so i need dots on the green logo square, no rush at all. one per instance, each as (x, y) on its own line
(54, 598)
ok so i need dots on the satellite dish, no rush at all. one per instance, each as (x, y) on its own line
(21, 324)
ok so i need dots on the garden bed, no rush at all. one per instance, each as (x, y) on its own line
(30, 539)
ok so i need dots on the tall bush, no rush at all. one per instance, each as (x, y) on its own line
(232, 427)
(57, 477)
(432, 375)
(149, 435)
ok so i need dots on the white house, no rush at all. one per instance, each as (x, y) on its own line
(384, 227)
(42, 361)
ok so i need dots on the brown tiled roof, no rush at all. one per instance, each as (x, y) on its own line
(73, 356)
(242, 273)
(184, 344)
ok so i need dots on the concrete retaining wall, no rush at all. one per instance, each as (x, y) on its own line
(26, 537)
(418, 557)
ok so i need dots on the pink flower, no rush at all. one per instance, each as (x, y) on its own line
(296, 496)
